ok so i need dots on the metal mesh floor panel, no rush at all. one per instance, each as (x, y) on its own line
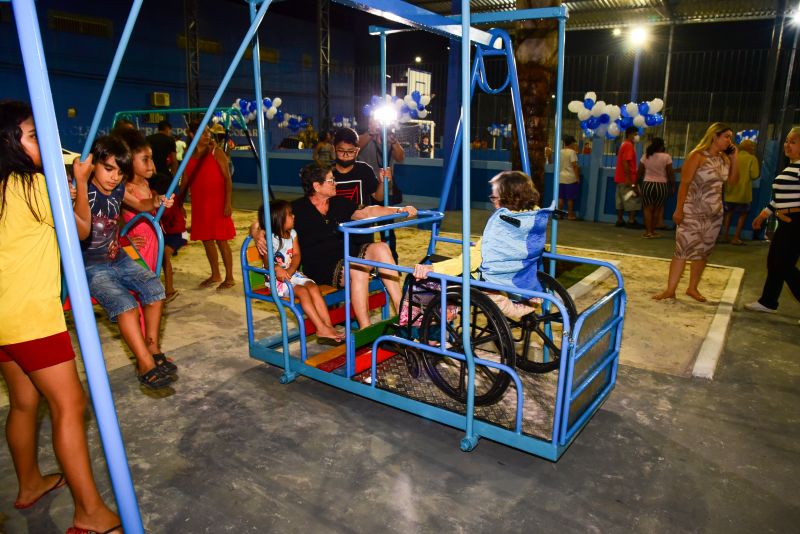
(538, 400)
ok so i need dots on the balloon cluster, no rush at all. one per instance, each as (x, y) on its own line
(499, 130)
(411, 107)
(295, 123)
(249, 108)
(607, 120)
(425, 128)
(747, 135)
(340, 121)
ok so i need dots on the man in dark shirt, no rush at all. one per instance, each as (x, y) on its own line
(355, 180)
(165, 155)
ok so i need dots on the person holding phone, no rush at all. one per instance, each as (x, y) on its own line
(698, 214)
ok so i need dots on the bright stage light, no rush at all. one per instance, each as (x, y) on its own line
(616, 32)
(385, 114)
(638, 36)
(417, 59)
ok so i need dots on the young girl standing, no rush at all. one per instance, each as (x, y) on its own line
(286, 248)
(36, 357)
(142, 234)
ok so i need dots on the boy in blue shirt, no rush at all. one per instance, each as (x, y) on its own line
(111, 274)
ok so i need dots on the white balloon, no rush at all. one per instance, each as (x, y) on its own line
(271, 113)
(584, 114)
(656, 105)
(613, 129)
(613, 112)
(276, 102)
(422, 114)
(638, 120)
(591, 95)
(575, 106)
(598, 109)
(409, 101)
(425, 100)
(632, 109)
(399, 103)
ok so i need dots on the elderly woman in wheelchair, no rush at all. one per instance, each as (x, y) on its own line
(508, 254)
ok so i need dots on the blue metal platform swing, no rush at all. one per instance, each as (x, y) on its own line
(589, 349)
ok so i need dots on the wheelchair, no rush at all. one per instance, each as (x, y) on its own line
(493, 337)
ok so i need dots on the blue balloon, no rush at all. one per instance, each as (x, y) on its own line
(623, 112)
(658, 118)
(593, 122)
(650, 120)
(376, 100)
(414, 114)
(366, 110)
(626, 122)
(604, 118)
(588, 103)
(251, 106)
(279, 116)
(584, 125)
(415, 96)
(267, 103)
(644, 108)
(243, 105)
(420, 107)
(303, 124)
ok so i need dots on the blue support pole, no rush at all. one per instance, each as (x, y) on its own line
(288, 374)
(562, 22)
(112, 76)
(470, 440)
(33, 58)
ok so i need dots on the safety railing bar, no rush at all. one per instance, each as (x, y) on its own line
(597, 336)
(450, 354)
(578, 424)
(423, 217)
(596, 306)
(605, 362)
(112, 76)
(586, 261)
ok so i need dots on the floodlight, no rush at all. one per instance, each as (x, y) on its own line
(796, 17)
(417, 59)
(385, 114)
(638, 36)
(616, 32)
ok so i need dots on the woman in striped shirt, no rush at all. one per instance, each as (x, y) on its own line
(784, 250)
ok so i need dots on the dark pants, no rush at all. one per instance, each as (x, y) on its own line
(784, 251)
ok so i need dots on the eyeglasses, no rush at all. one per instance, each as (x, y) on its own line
(348, 153)
(330, 180)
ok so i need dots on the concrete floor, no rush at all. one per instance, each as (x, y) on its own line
(234, 450)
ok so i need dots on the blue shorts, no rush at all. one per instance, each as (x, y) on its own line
(110, 284)
(174, 241)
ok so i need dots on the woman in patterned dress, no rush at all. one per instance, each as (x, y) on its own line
(699, 212)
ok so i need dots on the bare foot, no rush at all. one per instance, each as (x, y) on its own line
(330, 333)
(28, 497)
(664, 295)
(695, 294)
(210, 281)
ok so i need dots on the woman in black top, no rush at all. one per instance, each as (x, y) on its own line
(317, 218)
(784, 249)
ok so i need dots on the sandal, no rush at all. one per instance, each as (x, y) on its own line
(226, 285)
(208, 282)
(165, 364)
(153, 379)
(59, 484)
(79, 530)
(171, 296)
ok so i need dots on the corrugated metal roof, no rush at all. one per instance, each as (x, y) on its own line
(594, 14)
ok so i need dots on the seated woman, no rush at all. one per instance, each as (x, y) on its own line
(317, 218)
(511, 246)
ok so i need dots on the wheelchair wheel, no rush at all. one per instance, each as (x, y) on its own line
(532, 358)
(490, 339)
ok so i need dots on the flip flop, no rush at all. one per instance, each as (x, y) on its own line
(208, 282)
(78, 530)
(328, 341)
(737, 242)
(225, 285)
(171, 297)
(61, 482)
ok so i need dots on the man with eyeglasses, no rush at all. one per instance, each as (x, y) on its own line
(355, 180)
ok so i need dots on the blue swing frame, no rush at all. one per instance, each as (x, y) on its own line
(589, 353)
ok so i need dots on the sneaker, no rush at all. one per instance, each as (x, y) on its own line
(758, 307)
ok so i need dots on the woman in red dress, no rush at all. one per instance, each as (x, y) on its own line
(210, 186)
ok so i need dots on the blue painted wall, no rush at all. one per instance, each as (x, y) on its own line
(78, 64)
